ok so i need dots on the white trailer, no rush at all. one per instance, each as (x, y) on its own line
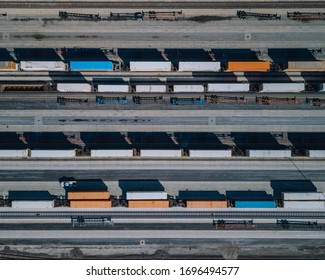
(148, 66)
(269, 153)
(210, 153)
(317, 153)
(232, 87)
(161, 153)
(304, 196)
(151, 88)
(304, 204)
(14, 153)
(306, 66)
(282, 87)
(32, 204)
(111, 153)
(146, 195)
(192, 66)
(52, 153)
(113, 88)
(43, 66)
(81, 87)
(188, 88)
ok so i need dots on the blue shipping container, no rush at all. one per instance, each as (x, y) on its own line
(91, 65)
(255, 204)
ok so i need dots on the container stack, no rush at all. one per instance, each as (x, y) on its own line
(147, 199)
(305, 200)
(89, 199)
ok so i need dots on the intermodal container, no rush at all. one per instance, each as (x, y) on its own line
(91, 66)
(210, 153)
(188, 88)
(304, 196)
(161, 153)
(282, 87)
(316, 153)
(35, 204)
(306, 66)
(43, 66)
(53, 153)
(8, 66)
(148, 203)
(255, 204)
(321, 87)
(82, 87)
(155, 66)
(206, 204)
(269, 153)
(111, 153)
(76, 195)
(151, 88)
(248, 66)
(90, 204)
(195, 66)
(113, 88)
(304, 204)
(13, 153)
(146, 195)
(232, 87)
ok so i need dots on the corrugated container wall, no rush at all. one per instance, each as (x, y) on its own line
(239, 87)
(113, 88)
(206, 204)
(269, 153)
(13, 153)
(306, 66)
(156, 66)
(43, 66)
(148, 203)
(151, 88)
(210, 153)
(304, 204)
(282, 87)
(53, 153)
(199, 66)
(91, 66)
(111, 153)
(8, 66)
(246, 66)
(146, 195)
(88, 195)
(188, 88)
(161, 153)
(74, 87)
(35, 204)
(255, 204)
(90, 204)
(316, 153)
(303, 196)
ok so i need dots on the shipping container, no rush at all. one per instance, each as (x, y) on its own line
(303, 196)
(269, 153)
(255, 204)
(206, 204)
(155, 195)
(233, 87)
(161, 153)
(43, 66)
(53, 153)
(148, 203)
(8, 66)
(210, 153)
(151, 88)
(193, 66)
(321, 87)
(35, 204)
(246, 66)
(82, 87)
(156, 66)
(304, 204)
(14, 153)
(188, 88)
(282, 87)
(91, 66)
(90, 204)
(88, 195)
(316, 153)
(113, 88)
(111, 153)
(306, 66)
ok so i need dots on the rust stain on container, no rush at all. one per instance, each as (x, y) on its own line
(8, 66)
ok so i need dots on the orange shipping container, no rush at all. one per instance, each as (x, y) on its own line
(90, 204)
(148, 203)
(206, 204)
(245, 66)
(88, 195)
(8, 66)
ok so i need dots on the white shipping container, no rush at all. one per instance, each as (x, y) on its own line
(188, 88)
(13, 153)
(35, 204)
(74, 87)
(151, 88)
(157, 66)
(113, 88)
(199, 66)
(233, 87)
(43, 66)
(161, 153)
(210, 153)
(269, 153)
(306, 65)
(303, 196)
(111, 153)
(316, 153)
(304, 204)
(282, 87)
(146, 195)
(53, 153)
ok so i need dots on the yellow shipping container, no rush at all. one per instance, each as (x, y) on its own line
(148, 203)
(88, 195)
(8, 66)
(90, 204)
(206, 204)
(246, 66)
